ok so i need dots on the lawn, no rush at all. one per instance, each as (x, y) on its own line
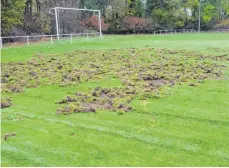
(180, 117)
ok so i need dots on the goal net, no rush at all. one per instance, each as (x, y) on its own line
(77, 22)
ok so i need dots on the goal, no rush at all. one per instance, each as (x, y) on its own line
(77, 22)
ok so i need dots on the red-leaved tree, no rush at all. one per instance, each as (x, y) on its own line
(93, 23)
(133, 24)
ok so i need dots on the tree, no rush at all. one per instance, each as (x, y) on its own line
(132, 24)
(11, 15)
(225, 9)
(115, 12)
(134, 8)
(168, 13)
(92, 22)
(208, 13)
(94, 4)
(33, 17)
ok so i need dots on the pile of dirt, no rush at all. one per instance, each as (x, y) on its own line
(114, 99)
(6, 102)
(7, 135)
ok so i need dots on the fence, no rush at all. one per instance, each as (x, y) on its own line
(20, 40)
(173, 31)
(222, 30)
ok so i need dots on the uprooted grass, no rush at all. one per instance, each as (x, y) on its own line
(142, 72)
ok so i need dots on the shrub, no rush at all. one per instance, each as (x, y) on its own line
(92, 22)
(133, 24)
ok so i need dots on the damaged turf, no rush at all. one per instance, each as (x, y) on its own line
(142, 72)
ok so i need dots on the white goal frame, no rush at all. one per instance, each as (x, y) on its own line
(77, 9)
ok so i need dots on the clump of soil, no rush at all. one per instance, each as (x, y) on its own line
(7, 135)
(99, 98)
(6, 102)
(15, 88)
(193, 84)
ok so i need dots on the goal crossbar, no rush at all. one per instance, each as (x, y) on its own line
(77, 9)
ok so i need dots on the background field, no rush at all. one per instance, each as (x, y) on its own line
(193, 41)
(186, 127)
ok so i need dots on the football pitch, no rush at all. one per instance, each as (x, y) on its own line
(134, 100)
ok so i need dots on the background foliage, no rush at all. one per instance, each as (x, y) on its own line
(20, 17)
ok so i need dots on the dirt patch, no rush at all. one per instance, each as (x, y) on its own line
(98, 98)
(7, 135)
(6, 102)
(157, 82)
(142, 72)
(193, 84)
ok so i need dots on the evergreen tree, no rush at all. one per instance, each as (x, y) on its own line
(11, 15)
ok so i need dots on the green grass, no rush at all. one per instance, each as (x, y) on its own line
(197, 42)
(188, 126)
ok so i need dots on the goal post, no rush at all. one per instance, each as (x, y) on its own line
(57, 25)
(57, 17)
